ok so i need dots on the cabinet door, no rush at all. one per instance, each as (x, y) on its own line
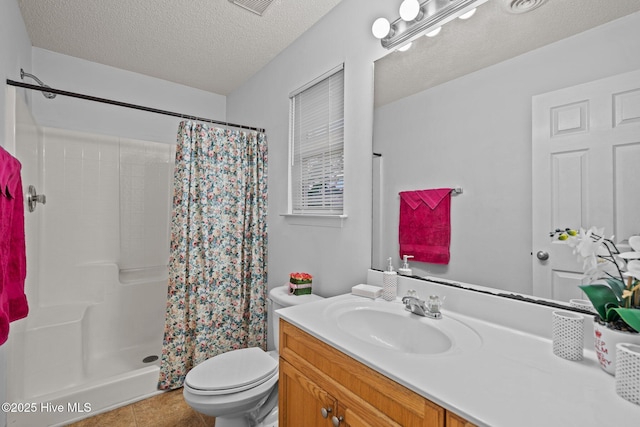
(356, 417)
(455, 421)
(302, 402)
(351, 418)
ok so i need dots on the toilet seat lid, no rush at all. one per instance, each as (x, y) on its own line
(233, 371)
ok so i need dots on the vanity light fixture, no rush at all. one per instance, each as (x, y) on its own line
(468, 15)
(409, 10)
(381, 28)
(434, 33)
(418, 18)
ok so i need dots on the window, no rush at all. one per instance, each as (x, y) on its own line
(317, 146)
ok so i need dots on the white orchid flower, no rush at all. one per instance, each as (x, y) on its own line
(592, 249)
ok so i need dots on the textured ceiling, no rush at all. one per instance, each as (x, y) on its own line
(212, 45)
(492, 35)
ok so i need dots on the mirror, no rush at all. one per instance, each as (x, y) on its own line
(455, 111)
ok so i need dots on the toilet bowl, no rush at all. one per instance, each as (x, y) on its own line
(240, 387)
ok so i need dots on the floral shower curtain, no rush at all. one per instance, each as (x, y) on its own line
(216, 298)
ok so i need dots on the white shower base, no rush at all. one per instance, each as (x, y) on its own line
(100, 394)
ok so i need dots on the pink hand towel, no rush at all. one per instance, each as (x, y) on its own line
(13, 271)
(425, 225)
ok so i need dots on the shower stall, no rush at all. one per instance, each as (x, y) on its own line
(97, 254)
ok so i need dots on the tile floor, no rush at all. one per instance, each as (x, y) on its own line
(164, 410)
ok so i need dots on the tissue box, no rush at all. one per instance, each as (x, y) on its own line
(368, 291)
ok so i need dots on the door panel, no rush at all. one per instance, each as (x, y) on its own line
(586, 148)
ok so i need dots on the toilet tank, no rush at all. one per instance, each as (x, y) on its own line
(279, 297)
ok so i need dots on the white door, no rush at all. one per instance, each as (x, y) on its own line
(586, 172)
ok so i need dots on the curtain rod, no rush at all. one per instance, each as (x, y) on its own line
(127, 105)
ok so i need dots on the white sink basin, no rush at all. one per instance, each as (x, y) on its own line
(387, 325)
(389, 330)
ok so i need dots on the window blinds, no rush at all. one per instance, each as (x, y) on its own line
(317, 171)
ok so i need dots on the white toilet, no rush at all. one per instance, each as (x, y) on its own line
(240, 388)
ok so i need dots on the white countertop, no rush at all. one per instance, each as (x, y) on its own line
(512, 379)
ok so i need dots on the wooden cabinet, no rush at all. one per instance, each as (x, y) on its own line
(455, 421)
(316, 380)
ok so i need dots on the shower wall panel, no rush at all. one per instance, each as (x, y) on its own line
(146, 170)
(107, 203)
(81, 223)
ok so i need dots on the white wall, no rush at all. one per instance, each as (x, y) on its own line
(90, 78)
(15, 52)
(476, 132)
(337, 257)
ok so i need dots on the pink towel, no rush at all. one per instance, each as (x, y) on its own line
(13, 301)
(425, 225)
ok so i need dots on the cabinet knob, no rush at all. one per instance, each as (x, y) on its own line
(325, 412)
(336, 420)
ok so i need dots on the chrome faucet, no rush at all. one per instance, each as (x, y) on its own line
(423, 308)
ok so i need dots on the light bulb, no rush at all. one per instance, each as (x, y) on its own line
(409, 10)
(405, 47)
(381, 28)
(468, 14)
(434, 33)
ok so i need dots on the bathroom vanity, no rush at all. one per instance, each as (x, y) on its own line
(353, 361)
(321, 386)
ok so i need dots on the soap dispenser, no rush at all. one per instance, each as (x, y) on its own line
(405, 270)
(389, 283)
